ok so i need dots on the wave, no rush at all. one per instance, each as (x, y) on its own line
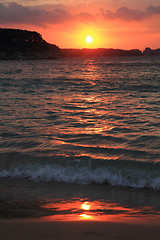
(116, 173)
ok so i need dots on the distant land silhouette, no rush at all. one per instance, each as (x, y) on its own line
(109, 52)
(23, 44)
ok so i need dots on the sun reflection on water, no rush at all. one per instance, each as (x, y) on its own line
(86, 217)
(86, 206)
(80, 210)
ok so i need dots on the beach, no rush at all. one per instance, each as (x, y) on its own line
(68, 211)
(35, 229)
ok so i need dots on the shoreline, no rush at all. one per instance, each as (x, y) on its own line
(50, 202)
(37, 229)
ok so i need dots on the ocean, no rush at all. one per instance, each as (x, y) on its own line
(79, 138)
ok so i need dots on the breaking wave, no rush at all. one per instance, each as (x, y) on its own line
(115, 173)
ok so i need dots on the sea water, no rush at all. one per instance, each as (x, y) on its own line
(80, 122)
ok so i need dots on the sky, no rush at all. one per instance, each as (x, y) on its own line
(123, 24)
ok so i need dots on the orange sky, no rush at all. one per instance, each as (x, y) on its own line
(125, 24)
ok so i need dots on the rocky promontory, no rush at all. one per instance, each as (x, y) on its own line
(23, 44)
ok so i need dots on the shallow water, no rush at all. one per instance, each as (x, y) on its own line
(48, 201)
(81, 121)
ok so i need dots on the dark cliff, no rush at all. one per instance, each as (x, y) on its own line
(23, 44)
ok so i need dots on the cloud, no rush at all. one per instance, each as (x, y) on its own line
(16, 13)
(84, 16)
(41, 15)
(126, 14)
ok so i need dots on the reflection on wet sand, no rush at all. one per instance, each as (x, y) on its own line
(80, 210)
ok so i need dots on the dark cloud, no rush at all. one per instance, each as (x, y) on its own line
(40, 15)
(16, 13)
(127, 14)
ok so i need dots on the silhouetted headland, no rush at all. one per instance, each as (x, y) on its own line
(23, 44)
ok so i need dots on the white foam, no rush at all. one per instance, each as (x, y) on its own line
(85, 175)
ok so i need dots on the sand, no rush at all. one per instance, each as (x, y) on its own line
(39, 230)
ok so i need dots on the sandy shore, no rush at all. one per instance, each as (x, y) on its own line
(33, 230)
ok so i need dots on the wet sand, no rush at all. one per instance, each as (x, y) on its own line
(40, 230)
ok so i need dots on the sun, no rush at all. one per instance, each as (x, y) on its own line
(89, 39)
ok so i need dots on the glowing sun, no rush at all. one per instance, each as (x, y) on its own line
(89, 39)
